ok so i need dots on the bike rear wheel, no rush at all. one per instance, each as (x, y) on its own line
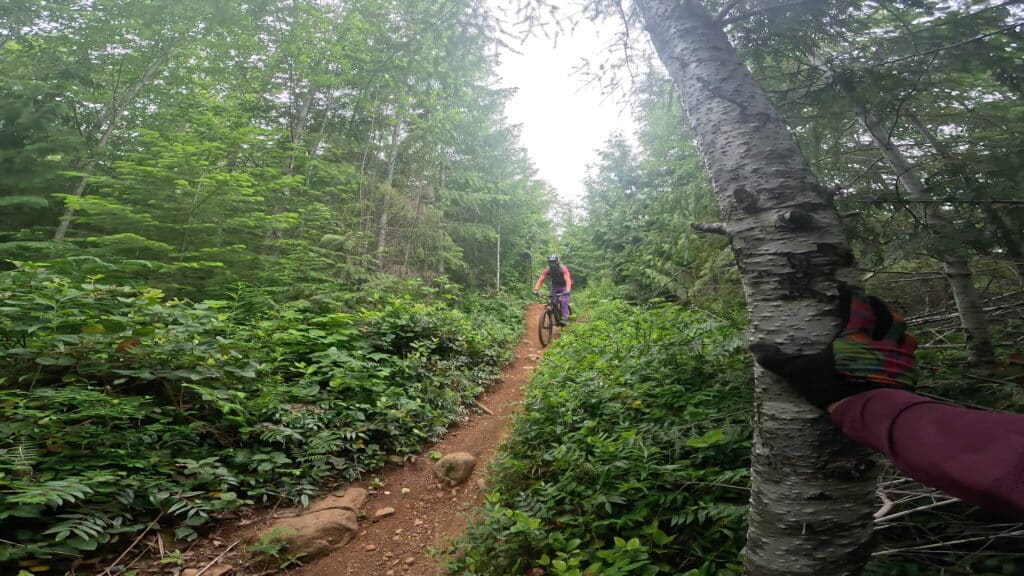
(546, 326)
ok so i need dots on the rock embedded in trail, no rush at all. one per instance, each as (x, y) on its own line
(455, 468)
(348, 499)
(315, 534)
(329, 523)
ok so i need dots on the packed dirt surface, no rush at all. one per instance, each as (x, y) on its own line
(426, 515)
(407, 518)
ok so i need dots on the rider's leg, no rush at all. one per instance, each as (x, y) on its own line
(563, 302)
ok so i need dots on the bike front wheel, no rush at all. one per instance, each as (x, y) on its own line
(546, 326)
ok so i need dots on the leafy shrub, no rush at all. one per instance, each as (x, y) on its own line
(122, 406)
(630, 455)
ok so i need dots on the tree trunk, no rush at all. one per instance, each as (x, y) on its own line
(1011, 239)
(297, 130)
(968, 306)
(975, 325)
(961, 280)
(497, 266)
(382, 221)
(119, 104)
(812, 490)
(382, 238)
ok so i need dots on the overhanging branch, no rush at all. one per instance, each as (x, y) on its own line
(781, 6)
(726, 9)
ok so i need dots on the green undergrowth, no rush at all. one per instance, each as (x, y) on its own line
(122, 406)
(630, 455)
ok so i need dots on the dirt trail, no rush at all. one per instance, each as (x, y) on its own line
(427, 517)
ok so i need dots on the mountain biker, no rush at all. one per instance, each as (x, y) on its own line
(863, 380)
(561, 285)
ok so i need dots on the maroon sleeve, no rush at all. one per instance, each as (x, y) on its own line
(974, 455)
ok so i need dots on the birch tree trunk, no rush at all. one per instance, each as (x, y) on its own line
(497, 266)
(955, 262)
(812, 490)
(1012, 240)
(382, 221)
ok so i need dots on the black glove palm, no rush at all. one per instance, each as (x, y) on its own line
(870, 352)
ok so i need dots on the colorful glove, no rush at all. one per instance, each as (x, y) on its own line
(536, 292)
(872, 351)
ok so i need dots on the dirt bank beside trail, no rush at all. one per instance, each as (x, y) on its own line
(426, 517)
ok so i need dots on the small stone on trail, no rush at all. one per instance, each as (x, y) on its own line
(370, 547)
(384, 512)
(410, 561)
(417, 522)
(453, 469)
(405, 491)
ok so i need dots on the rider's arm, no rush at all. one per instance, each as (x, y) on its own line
(568, 279)
(540, 280)
(975, 455)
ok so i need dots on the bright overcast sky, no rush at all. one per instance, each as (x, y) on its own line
(563, 120)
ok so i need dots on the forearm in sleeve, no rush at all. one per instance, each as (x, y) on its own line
(975, 455)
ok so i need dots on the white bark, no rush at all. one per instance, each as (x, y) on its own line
(961, 282)
(1011, 239)
(382, 221)
(497, 267)
(813, 490)
(968, 306)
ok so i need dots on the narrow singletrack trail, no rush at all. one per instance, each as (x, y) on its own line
(427, 516)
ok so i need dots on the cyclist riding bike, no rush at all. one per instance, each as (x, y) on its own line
(561, 285)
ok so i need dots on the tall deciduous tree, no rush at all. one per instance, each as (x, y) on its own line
(954, 257)
(813, 491)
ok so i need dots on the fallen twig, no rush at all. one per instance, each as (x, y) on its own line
(106, 572)
(217, 559)
(949, 543)
(482, 407)
(884, 518)
(887, 505)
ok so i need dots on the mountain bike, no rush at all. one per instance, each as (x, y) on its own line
(549, 319)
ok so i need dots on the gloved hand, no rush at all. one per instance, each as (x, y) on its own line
(566, 293)
(871, 351)
(536, 292)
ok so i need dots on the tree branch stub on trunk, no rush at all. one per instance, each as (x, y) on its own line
(813, 490)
